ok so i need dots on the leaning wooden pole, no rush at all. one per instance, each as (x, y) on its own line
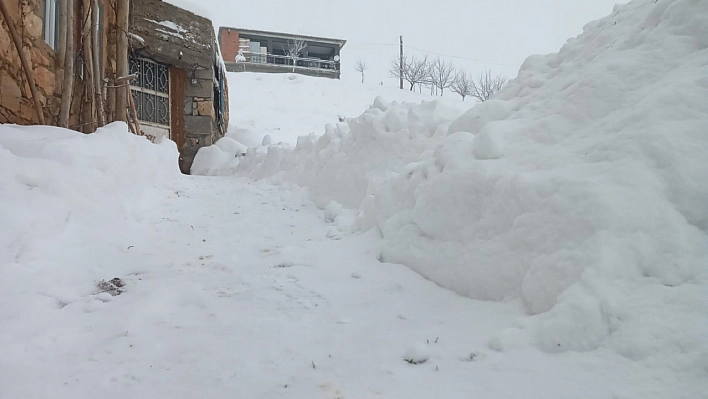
(138, 131)
(88, 66)
(68, 82)
(121, 106)
(25, 65)
(97, 78)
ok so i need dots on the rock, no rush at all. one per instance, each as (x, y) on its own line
(33, 24)
(40, 57)
(45, 79)
(205, 108)
(10, 93)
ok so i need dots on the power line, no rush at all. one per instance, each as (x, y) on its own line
(371, 44)
(461, 58)
(432, 52)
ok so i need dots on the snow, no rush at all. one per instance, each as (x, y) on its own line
(236, 286)
(419, 353)
(579, 189)
(333, 265)
(137, 38)
(218, 159)
(173, 26)
(240, 57)
(332, 211)
(298, 105)
(173, 29)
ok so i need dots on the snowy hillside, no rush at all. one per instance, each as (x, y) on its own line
(581, 189)
(286, 106)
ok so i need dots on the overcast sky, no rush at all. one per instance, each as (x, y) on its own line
(474, 34)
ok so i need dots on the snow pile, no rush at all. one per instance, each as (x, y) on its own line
(286, 106)
(580, 189)
(346, 161)
(219, 159)
(62, 190)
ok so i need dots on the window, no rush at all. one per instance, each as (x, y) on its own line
(50, 22)
(220, 97)
(151, 91)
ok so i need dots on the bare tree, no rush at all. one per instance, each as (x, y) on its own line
(361, 67)
(462, 84)
(395, 70)
(442, 74)
(416, 71)
(487, 85)
(294, 50)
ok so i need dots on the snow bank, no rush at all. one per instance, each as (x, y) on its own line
(341, 164)
(61, 190)
(580, 189)
(220, 159)
(286, 106)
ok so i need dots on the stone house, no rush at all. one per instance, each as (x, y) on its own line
(179, 82)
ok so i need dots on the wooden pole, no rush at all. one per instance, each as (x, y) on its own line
(400, 66)
(61, 36)
(123, 11)
(29, 74)
(88, 66)
(97, 76)
(138, 131)
(68, 85)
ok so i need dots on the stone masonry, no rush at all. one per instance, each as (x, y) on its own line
(15, 103)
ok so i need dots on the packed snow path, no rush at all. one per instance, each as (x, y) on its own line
(242, 290)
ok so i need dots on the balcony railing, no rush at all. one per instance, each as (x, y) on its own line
(284, 61)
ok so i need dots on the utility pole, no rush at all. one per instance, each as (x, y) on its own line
(400, 66)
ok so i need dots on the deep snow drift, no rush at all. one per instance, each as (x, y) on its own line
(580, 189)
(275, 108)
(290, 112)
(64, 197)
(55, 178)
(235, 288)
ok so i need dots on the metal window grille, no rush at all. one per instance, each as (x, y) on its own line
(151, 91)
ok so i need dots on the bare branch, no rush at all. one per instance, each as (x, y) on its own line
(361, 67)
(462, 84)
(416, 71)
(442, 74)
(395, 68)
(294, 50)
(487, 85)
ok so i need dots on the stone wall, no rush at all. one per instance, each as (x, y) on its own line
(191, 51)
(187, 43)
(15, 104)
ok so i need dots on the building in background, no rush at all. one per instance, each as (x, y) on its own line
(272, 52)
